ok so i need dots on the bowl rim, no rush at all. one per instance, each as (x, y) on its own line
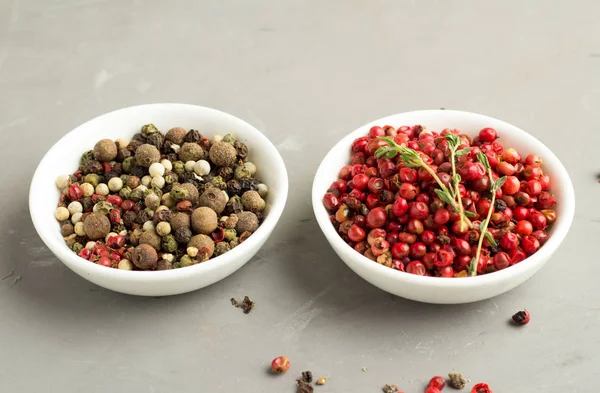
(61, 250)
(560, 229)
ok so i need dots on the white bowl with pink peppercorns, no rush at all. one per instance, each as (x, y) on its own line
(196, 211)
(443, 206)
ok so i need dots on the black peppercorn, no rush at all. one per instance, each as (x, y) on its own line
(139, 137)
(166, 147)
(249, 185)
(129, 218)
(167, 188)
(225, 172)
(500, 205)
(133, 145)
(234, 187)
(88, 204)
(183, 235)
(171, 157)
(110, 175)
(117, 168)
(138, 171)
(163, 215)
(193, 136)
(242, 150)
(156, 139)
(260, 216)
(92, 166)
(143, 216)
(123, 154)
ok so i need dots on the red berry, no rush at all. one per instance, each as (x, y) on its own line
(460, 227)
(372, 201)
(545, 200)
(356, 233)
(487, 135)
(541, 236)
(416, 267)
(115, 200)
(360, 181)
(417, 250)
(462, 246)
(104, 261)
(524, 228)
(545, 182)
(408, 191)
(501, 260)
(419, 210)
(521, 213)
(481, 388)
(374, 235)
(407, 175)
(533, 187)
(400, 207)
(115, 216)
(432, 389)
(511, 156)
(359, 144)
(532, 172)
(516, 255)
(443, 258)
(415, 226)
(376, 218)
(538, 220)
(522, 317)
(441, 216)
(85, 253)
(534, 159)
(75, 192)
(346, 173)
(376, 131)
(280, 364)
(428, 237)
(509, 241)
(530, 244)
(511, 185)
(400, 250)
(437, 382)
(505, 168)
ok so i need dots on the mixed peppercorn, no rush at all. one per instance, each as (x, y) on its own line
(160, 201)
(441, 204)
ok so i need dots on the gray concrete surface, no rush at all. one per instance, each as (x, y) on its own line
(305, 73)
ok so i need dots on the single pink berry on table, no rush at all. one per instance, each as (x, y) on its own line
(280, 364)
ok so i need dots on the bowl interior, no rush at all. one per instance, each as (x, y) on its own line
(470, 124)
(64, 157)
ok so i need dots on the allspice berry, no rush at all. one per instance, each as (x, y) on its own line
(105, 150)
(96, 226)
(179, 220)
(222, 154)
(191, 152)
(193, 193)
(203, 243)
(213, 198)
(204, 220)
(145, 257)
(247, 222)
(176, 135)
(150, 238)
(252, 201)
(146, 155)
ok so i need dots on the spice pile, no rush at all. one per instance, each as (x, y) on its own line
(441, 204)
(160, 201)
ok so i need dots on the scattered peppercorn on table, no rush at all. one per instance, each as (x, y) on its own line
(305, 74)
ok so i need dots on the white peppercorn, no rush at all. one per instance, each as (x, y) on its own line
(115, 184)
(121, 143)
(216, 138)
(250, 167)
(176, 148)
(189, 166)
(146, 180)
(149, 226)
(87, 189)
(142, 188)
(63, 181)
(263, 190)
(163, 228)
(102, 189)
(76, 217)
(125, 264)
(202, 168)
(192, 251)
(161, 208)
(156, 169)
(168, 165)
(90, 245)
(79, 229)
(75, 207)
(168, 257)
(158, 182)
(62, 214)
(152, 201)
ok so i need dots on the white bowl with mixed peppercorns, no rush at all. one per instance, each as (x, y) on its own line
(158, 199)
(443, 206)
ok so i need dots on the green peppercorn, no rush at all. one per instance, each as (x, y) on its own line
(137, 195)
(169, 243)
(229, 138)
(128, 163)
(218, 182)
(186, 260)
(125, 193)
(103, 207)
(85, 157)
(179, 167)
(230, 234)
(92, 179)
(179, 193)
(149, 129)
(221, 248)
(242, 173)
(171, 178)
(176, 265)
(77, 247)
(235, 242)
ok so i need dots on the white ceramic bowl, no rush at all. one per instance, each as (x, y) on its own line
(64, 156)
(447, 290)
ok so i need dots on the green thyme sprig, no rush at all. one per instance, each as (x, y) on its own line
(454, 143)
(495, 186)
(412, 159)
